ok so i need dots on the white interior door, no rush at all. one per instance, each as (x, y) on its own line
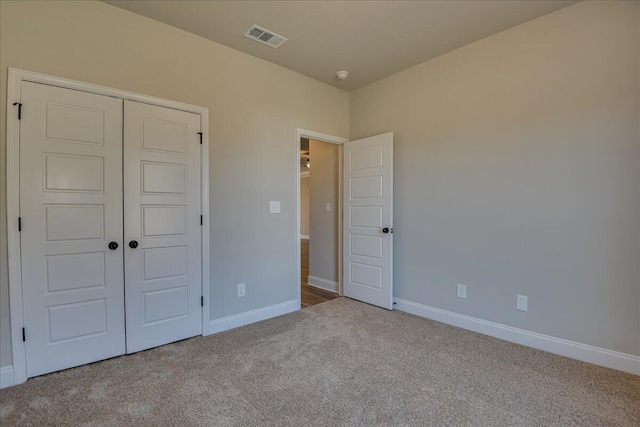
(71, 209)
(368, 220)
(163, 218)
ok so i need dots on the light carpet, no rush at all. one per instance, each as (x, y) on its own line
(340, 363)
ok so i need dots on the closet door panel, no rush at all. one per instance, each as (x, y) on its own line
(162, 216)
(71, 209)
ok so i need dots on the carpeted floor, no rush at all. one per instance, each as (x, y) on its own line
(337, 363)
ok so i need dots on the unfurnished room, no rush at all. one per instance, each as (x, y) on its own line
(320, 213)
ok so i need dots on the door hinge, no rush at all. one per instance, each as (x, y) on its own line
(19, 110)
(24, 335)
(201, 219)
(200, 133)
(202, 301)
(19, 223)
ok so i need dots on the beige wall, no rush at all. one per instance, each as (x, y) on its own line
(517, 172)
(323, 226)
(255, 108)
(516, 158)
(304, 206)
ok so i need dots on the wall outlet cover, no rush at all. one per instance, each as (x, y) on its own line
(521, 302)
(242, 290)
(274, 207)
(461, 291)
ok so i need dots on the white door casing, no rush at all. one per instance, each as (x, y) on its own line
(71, 208)
(163, 215)
(368, 220)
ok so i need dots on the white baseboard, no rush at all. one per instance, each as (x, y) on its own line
(325, 284)
(241, 319)
(586, 353)
(304, 236)
(6, 377)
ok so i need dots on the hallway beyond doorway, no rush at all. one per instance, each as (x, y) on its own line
(310, 294)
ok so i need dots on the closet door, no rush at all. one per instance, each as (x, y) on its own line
(71, 238)
(162, 225)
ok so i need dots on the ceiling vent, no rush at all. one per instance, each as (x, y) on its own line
(263, 36)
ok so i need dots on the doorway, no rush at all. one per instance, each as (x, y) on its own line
(319, 222)
(365, 217)
(319, 201)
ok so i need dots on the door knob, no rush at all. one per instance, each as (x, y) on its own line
(113, 245)
(385, 230)
(133, 244)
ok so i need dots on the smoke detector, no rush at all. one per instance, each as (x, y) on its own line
(342, 75)
(263, 36)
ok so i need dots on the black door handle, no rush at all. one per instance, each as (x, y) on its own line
(133, 244)
(385, 230)
(113, 245)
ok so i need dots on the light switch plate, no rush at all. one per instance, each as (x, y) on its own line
(274, 207)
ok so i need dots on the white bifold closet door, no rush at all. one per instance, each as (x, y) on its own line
(162, 216)
(71, 209)
(110, 212)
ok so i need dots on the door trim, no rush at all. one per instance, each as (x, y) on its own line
(14, 82)
(303, 133)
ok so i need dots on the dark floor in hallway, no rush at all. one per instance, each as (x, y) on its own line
(310, 294)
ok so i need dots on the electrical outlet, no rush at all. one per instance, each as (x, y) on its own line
(242, 290)
(521, 302)
(462, 291)
(274, 207)
(327, 207)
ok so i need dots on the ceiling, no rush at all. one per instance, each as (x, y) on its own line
(370, 39)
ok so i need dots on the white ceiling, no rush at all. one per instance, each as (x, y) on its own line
(370, 39)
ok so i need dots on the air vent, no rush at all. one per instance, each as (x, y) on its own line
(263, 36)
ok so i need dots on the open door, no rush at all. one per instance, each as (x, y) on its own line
(368, 220)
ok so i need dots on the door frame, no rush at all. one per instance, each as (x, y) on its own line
(14, 83)
(317, 136)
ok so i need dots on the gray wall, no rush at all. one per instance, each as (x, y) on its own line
(323, 226)
(304, 205)
(255, 109)
(517, 171)
(516, 158)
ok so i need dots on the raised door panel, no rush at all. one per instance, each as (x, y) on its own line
(75, 271)
(164, 135)
(67, 173)
(165, 262)
(165, 304)
(88, 123)
(77, 320)
(366, 157)
(164, 178)
(366, 187)
(71, 208)
(164, 221)
(74, 222)
(368, 246)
